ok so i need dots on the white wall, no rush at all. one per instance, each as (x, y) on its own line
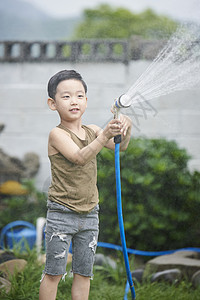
(28, 120)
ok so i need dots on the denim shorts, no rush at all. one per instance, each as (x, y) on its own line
(63, 226)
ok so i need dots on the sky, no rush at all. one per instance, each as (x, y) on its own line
(178, 9)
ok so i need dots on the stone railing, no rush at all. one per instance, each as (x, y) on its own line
(108, 50)
(74, 51)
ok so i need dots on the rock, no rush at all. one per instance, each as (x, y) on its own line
(31, 164)
(181, 260)
(187, 253)
(102, 260)
(196, 279)
(5, 284)
(69, 258)
(15, 169)
(99, 259)
(11, 267)
(171, 276)
(137, 275)
(6, 255)
(41, 259)
(11, 168)
(1, 127)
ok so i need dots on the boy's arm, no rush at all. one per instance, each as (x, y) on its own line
(125, 133)
(60, 141)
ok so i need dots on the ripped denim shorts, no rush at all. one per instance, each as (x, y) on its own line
(63, 226)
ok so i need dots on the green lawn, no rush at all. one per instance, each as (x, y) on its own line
(106, 285)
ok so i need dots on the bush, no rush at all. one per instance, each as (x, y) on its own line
(161, 197)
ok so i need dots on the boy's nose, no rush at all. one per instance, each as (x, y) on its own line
(73, 100)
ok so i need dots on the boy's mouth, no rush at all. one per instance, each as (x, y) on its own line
(74, 109)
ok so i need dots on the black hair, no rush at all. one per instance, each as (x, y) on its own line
(60, 76)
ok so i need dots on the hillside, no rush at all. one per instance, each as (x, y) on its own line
(23, 21)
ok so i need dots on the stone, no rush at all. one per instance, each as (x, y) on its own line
(171, 276)
(196, 279)
(137, 275)
(99, 259)
(14, 169)
(187, 253)
(1, 127)
(69, 258)
(11, 267)
(41, 259)
(182, 260)
(102, 260)
(5, 284)
(31, 164)
(11, 167)
(6, 255)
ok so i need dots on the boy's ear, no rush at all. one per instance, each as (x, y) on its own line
(51, 103)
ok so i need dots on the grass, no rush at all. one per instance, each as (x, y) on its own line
(108, 284)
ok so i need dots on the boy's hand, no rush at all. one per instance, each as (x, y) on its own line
(113, 128)
(117, 126)
(126, 123)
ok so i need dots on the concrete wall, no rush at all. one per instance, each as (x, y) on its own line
(28, 120)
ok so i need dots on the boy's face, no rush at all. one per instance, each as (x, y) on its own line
(70, 99)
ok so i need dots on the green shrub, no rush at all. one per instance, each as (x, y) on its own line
(161, 197)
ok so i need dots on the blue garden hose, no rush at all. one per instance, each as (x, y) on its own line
(129, 284)
(117, 139)
(120, 220)
(145, 253)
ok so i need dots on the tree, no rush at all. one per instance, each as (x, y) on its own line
(108, 22)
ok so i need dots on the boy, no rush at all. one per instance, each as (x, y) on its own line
(73, 197)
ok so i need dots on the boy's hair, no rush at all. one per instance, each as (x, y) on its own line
(60, 76)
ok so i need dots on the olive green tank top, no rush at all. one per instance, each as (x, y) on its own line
(72, 185)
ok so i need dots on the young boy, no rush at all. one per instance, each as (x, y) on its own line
(73, 197)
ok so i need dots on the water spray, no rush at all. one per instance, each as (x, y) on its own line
(175, 68)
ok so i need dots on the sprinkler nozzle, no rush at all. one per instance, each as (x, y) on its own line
(122, 102)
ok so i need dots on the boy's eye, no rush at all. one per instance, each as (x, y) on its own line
(80, 96)
(66, 96)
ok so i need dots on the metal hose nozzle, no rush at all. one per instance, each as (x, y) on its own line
(122, 102)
